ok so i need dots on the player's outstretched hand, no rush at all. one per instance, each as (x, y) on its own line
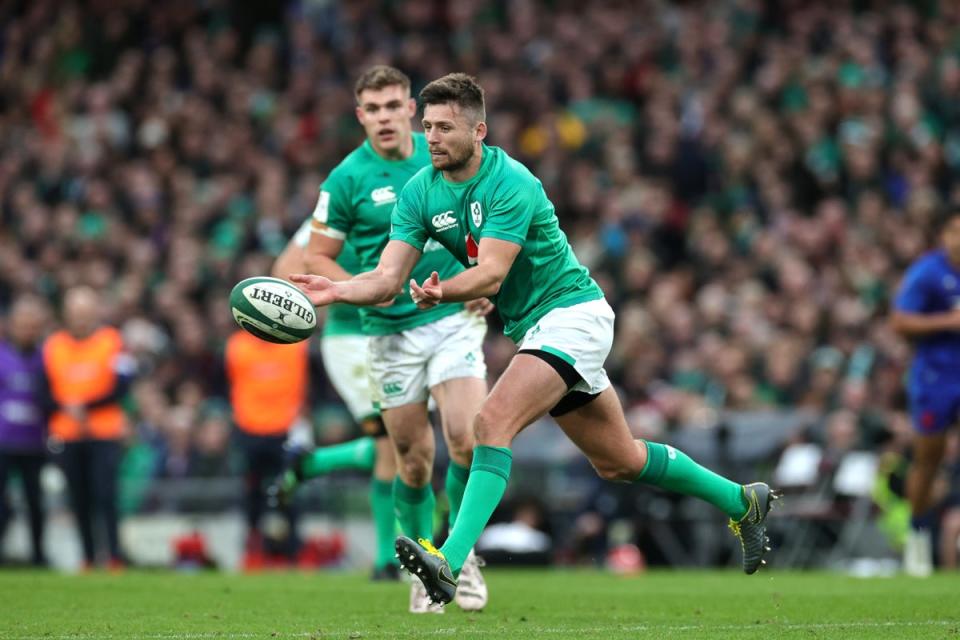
(480, 307)
(430, 294)
(319, 290)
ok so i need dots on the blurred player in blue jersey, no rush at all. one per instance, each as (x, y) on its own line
(927, 311)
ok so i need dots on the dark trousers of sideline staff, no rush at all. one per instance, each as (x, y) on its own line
(91, 468)
(28, 466)
(264, 457)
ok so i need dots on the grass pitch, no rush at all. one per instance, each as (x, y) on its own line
(523, 604)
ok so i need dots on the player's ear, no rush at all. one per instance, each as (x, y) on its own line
(481, 131)
(412, 107)
(359, 112)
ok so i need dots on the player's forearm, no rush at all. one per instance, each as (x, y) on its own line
(919, 324)
(323, 265)
(471, 284)
(372, 287)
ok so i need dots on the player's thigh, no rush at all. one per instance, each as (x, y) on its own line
(527, 390)
(933, 411)
(347, 365)
(929, 449)
(409, 429)
(457, 375)
(600, 430)
(458, 402)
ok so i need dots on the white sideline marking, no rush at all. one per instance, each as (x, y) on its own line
(497, 631)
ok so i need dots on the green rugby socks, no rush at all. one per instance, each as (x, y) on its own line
(384, 521)
(671, 469)
(356, 454)
(414, 509)
(456, 483)
(485, 487)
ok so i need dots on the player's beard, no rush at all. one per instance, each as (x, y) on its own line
(457, 159)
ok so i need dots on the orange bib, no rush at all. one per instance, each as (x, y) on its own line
(268, 383)
(81, 371)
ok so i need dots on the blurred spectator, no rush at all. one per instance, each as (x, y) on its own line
(268, 385)
(89, 373)
(24, 411)
(746, 180)
(521, 540)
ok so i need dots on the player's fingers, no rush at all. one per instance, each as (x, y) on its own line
(478, 306)
(415, 291)
(484, 308)
(299, 277)
(435, 279)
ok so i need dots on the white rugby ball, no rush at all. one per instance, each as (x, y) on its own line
(273, 310)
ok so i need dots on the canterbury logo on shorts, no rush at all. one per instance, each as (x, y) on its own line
(392, 388)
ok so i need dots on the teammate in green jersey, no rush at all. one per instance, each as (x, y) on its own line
(344, 350)
(492, 213)
(414, 354)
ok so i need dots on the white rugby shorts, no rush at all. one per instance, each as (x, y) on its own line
(346, 363)
(405, 366)
(581, 335)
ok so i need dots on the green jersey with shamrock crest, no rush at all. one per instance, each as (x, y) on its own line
(507, 202)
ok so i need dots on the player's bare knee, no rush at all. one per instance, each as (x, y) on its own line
(403, 446)
(491, 429)
(460, 444)
(617, 471)
(414, 471)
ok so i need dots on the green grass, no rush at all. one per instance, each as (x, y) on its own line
(524, 604)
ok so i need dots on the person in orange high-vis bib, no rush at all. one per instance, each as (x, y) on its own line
(268, 389)
(88, 373)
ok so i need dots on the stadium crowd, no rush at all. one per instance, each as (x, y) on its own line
(747, 180)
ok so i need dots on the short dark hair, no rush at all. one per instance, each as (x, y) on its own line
(378, 77)
(459, 89)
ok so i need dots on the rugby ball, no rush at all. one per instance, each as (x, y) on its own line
(273, 310)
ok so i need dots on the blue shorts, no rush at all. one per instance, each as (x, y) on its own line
(934, 408)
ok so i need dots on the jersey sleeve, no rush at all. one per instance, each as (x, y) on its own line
(406, 221)
(511, 212)
(333, 215)
(914, 293)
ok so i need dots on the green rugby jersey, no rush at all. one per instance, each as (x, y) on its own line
(507, 202)
(342, 319)
(355, 203)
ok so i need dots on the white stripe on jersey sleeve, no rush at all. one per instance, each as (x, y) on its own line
(324, 230)
(302, 237)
